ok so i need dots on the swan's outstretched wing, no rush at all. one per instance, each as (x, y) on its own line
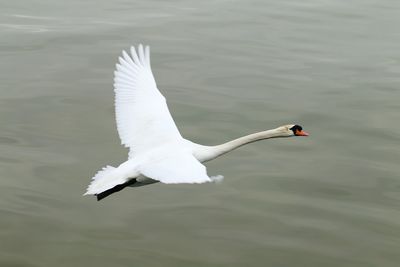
(180, 168)
(143, 118)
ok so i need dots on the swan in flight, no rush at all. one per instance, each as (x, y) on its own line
(157, 151)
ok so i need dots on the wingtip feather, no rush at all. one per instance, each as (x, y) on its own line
(141, 55)
(134, 55)
(147, 54)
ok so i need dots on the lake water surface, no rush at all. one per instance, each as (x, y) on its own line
(227, 68)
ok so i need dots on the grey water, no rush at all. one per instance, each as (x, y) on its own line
(227, 68)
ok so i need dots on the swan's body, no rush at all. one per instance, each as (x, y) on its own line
(157, 151)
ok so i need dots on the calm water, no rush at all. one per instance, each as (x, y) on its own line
(228, 68)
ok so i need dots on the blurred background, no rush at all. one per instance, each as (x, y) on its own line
(227, 68)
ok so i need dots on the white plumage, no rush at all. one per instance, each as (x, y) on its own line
(145, 125)
(143, 118)
(157, 151)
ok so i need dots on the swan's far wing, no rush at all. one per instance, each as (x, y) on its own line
(181, 168)
(142, 115)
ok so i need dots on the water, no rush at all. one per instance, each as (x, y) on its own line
(227, 68)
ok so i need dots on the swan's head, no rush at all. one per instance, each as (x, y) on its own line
(292, 130)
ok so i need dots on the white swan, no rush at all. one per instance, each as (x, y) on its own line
(158, 152)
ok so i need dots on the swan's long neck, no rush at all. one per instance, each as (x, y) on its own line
(212, 152)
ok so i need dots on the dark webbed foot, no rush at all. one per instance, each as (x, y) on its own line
(114, 189)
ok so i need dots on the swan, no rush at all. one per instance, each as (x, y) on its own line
(157, 151)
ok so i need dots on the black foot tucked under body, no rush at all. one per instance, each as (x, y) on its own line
(114, 189)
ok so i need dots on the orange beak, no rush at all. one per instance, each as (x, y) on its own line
(301, 133)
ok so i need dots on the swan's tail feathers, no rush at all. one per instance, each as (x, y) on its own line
(108, 179)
